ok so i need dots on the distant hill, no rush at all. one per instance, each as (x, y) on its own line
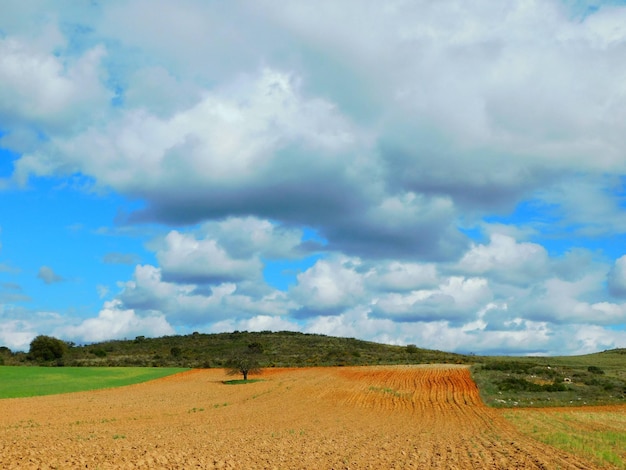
(278, 349)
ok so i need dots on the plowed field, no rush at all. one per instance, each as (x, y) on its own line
(366, 417)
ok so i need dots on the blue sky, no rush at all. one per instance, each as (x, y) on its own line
(446, 174)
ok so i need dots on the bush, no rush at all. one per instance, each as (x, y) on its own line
(522, 385)
(595, 370)
(411, 349)
(99, 352)
(47, 348)
(515, 367)
(255, 348)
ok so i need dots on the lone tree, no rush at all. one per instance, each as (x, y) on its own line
(47, 348)
(246, 362)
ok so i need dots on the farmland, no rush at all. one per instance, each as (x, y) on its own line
(16, 382)
(333, 417)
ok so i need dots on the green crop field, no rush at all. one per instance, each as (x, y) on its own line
(18, 382)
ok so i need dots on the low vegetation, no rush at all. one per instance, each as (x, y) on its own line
(592, 379)
(599, 436)
(279, 349)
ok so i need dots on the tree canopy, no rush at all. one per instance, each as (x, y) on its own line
(245, 362)
(47, 348)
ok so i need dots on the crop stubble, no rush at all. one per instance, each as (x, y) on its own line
(352, 417)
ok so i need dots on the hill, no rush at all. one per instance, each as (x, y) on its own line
(278, 349)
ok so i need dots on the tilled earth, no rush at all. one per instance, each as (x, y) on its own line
(314, 418)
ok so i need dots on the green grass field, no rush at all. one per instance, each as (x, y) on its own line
(16, 382)
(597, 435)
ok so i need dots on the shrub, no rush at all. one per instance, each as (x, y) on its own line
(554, 387)
(516, 367)
(411, 349)
(99, 352)
(521, 385)
(255, 348)
(595, 370)
(47, 348)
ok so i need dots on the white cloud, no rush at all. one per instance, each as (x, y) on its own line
(39, 88)
(228, 138)
(18, 326)
(382, 127)
(188, 260)
(568, 302)
(528, 338)
(191, 304)
(455, 299)
(116, 322)
(246, 237)
(507, 260)
(400, 276)
(17, 334)
(329, 286)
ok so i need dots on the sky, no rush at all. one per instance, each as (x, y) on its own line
(447, 174)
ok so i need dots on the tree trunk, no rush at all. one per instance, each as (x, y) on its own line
(245, 374)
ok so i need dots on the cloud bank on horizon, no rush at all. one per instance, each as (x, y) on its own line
(448, 174)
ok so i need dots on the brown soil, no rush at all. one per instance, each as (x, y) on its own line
(315, 418)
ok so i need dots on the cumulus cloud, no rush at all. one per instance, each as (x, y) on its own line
(48, 276)
(18, 326)
(455, 299)
(38, 87)
(329, 287)
(263, 141)
(259, 148)
(238, 141)
(249, 236)
(114, 321)
(189, 304)
(188, 260)
(16, 334)
(229, 250)
(507, 260)
(401, 276)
